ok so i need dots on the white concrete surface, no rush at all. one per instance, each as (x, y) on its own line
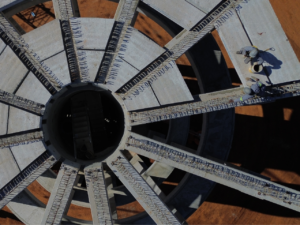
(181, 12)
(12, 71)
(20, 120)
(95, 32)
(59, 66)
(204, 5)
(32, 89)
(8, 166)
(265, 31)
(26, 154)
(46, 40)
(93, 59)
(6, 3)
(3, 118)
(2, 46)
(234, 38)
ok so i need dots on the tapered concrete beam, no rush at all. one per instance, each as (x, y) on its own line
(60, 196)
(25, 177)
(139, 188)
(223, 174)
(22, 103)
(97, 193)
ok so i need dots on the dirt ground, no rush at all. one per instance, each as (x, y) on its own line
(266, 140)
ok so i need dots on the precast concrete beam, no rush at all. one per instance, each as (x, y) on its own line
(139, 188)
(60, 196)
(214, 171)
(97, 192)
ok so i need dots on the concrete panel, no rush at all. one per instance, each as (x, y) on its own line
(95, 32)
(3, 118)
(179, 11)
(204, 5)
(93, 59)
(32, 89)
(234, 38)
(171, 87)
(265, 31)
(8, 166)
(2, 46)
(4, 3)
(12, 71)
(26, 154)
(20, 120)
(46, 40)
(59, 66)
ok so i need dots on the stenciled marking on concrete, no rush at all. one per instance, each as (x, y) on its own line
(25, 178)
(215, 104)
(30, 60)
(214, 171)
(141, 191)
(20, 138)
(178, 46)
(23, 103)
(97, 193)
(117, 43)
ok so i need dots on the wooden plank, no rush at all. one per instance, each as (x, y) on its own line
(8, 166)
(12, 71)
(214, 171)
(142, 192)
(22, 103)
(96, 187)
(22, 138)
(25, 177)
(58, 202)
(265, 31)
(181, 12)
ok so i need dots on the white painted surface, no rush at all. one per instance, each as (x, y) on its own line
(95, 32)
(179, 11)
(20, 120)
(93, 59)
(204, 5)
(12, 71)
(3, 118)
(2, 46)
(59, 66)
(26, 154)
(32, 89)
(8, 166)
(234, 38)
(265, 31)
(46, 40)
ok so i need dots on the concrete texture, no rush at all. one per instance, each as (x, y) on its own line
(8, 166)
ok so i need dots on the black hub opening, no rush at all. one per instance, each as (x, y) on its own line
(84, 123)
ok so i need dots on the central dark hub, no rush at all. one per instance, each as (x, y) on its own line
(83, 123)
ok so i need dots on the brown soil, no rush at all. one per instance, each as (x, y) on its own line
(266, 140)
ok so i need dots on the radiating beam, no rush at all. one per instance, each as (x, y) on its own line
(139, 188)
(71, 37)
(210, 102)
(25, 178)
(117, 43)
(22, 103)
(60, 196)
(175, 48)
(24, 137)
(97, 193)
(30, 60)
(223, 174)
